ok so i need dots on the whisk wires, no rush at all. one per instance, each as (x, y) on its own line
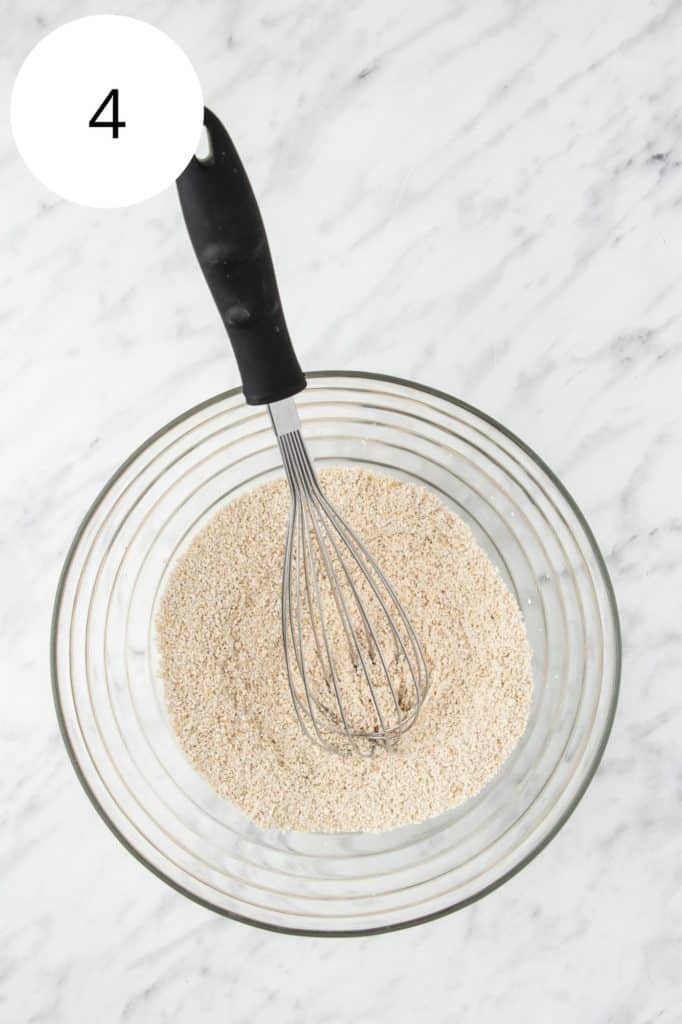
(355, 667)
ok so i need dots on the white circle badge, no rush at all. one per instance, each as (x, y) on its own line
(107, 111)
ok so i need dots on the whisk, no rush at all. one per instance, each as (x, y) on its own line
(355, 667)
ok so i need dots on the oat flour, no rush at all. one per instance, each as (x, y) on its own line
(219, 639)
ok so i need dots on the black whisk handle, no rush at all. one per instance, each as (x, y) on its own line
(226, 229)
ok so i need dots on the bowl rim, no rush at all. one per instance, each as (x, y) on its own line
(380, 929)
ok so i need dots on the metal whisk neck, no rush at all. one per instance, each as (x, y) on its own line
(284, 417)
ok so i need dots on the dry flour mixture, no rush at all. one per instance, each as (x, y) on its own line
(220, 645)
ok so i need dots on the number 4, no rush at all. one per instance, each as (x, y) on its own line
(114, 124)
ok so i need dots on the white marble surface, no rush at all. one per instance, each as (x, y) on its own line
(484, 197)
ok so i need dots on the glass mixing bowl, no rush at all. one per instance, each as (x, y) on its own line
(109, 696)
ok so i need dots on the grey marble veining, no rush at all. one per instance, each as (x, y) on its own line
(486, 198)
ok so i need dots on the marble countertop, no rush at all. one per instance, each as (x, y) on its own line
(483, 197)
